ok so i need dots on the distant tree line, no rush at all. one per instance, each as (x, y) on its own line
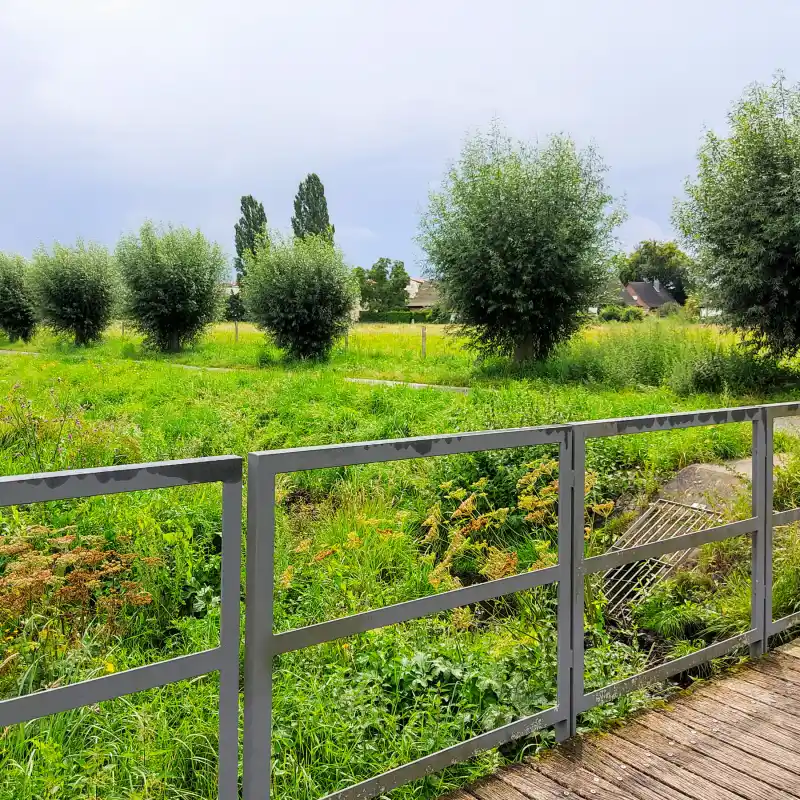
(520, 238)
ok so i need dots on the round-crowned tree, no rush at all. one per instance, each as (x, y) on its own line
(172, 282)
(518, 238)
(75, 289)
(302, 293)
(17, 306)
(741, 217)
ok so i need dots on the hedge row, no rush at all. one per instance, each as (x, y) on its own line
(427, 315)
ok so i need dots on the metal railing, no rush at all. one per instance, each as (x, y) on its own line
(73, 484)
(262, 644)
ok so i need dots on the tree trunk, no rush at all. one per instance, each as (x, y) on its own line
(174, 343)
(524, 350)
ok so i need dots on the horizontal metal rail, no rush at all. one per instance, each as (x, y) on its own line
(412, 609)
(381, 784)
(785, 517)
(108, 687)
(348, 455)
(72, 484)
(664, 671)
(784, 623)
(625, 426)
(569, 575)
(686, 541)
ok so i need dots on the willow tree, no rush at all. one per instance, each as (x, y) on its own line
(741, 217)
(518, 238)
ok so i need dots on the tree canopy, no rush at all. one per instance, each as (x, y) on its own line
(741, 216)
(76, 289)
(17, 307)
(311, 210)
(173, 278)
(519, 237)
(302, 293)
(383, 286)
(661, 261)
(249, 232)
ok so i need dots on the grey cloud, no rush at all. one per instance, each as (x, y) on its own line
(162, 103)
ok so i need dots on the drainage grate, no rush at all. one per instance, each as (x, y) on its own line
(629, 584)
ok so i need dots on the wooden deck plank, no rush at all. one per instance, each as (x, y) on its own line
(791, 649)
(493, 789)
(631, 782)
(726, 714)
(760, 742)
(735, 739)
(716, 749)
(664, 770)
(694, 759)
(782, 669)
(782, 689)
(575, 777)
(759, 701)
(532, 784)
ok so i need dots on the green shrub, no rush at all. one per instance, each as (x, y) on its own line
(669, 310)
(632, 314)
(440, 314)
(75, 289)
(740, 216)
(517, 239)
(302, 293)
(17, 309)
(396, 317)
(734, 370)
(234, 308)
(691, 308)
(172, 278)
(611, 313)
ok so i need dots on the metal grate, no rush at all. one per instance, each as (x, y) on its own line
(629, 584)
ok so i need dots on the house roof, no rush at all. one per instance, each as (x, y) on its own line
(624, 296)
(647, 295)
(426, 296)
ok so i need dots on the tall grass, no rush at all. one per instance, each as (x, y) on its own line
(347, 540)
(668, 353)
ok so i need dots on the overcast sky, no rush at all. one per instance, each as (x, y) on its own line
(115, 111)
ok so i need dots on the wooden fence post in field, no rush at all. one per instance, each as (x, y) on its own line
(236, 330)
(424, 341)
(346, 339)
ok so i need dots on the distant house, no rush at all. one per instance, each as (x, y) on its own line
(229, 289)
(649, 295)
(421, 294)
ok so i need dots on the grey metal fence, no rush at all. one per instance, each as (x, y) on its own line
(46, 487)
(262, 644)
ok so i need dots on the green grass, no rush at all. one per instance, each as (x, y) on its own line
(347, 540)
(653, 353)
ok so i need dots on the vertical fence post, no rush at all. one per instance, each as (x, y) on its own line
(228, 777)
(769, 475)
(762, 537)
(424, 341)
(346, 340)
(566, 485)
(576, 577)
(236, 331)
(258, 631)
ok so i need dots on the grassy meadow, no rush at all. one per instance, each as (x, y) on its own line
(98, 585)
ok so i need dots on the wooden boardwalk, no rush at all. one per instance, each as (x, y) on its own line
(733, 739)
